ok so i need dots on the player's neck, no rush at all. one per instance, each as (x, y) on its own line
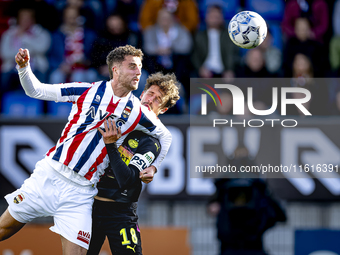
(118, 90)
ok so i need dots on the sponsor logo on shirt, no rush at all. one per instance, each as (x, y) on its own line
(139, 161)
(157, 147)
(120, 123)
(133, 143)
(125, 154)
(84, 236)
(132, 248)
(19, 198)
(97, 98)
(126, 112)
(149, 156)
(124, 193)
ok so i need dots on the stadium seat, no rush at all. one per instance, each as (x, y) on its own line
(58, 109)
(17, 104)
(269, 9)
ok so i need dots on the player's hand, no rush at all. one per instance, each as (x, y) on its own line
(111, 133)
(147, 174)
(22, 57)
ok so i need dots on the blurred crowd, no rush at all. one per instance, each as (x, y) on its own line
(69, 40)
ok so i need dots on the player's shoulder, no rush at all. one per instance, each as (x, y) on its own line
(80, 84)
(149, 115)
(78, 88)
(142, 143)
(150, 121)
(140, 136)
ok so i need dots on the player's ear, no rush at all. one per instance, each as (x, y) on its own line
(115, 69)
(163, 110)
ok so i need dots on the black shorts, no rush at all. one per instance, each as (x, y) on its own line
(117, 222)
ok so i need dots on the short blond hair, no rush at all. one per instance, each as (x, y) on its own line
(118, 55)
(168, 84)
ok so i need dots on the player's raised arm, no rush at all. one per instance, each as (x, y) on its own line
(162, 133)
(34, 88)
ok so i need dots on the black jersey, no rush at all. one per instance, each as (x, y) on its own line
(121, 181)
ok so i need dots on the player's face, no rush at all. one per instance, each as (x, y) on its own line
(153, 99)
(129, 72)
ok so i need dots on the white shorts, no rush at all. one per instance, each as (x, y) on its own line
(48, 193)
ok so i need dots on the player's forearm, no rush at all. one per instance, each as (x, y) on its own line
(123, 174)
(165, 142)
(154, 127)
(33, 87)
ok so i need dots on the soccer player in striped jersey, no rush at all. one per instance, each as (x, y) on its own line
(63, 184)
(114, 209)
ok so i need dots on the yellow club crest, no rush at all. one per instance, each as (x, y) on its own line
(133, 143)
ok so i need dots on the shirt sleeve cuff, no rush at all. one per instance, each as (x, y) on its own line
(22, 69)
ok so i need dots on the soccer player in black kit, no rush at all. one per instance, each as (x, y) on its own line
(114, 209)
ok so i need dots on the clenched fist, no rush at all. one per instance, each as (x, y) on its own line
(22, 58)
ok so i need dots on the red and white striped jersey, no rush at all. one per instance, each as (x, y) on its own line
(81, 146)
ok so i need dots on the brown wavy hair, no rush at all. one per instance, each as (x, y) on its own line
(169, 86)
(118, 55)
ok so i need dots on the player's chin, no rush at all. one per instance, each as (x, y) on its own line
(134, 85)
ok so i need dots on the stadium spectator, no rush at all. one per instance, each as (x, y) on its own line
(245, 210)
(334, 57)
(26, 33)
(303, 43)
(316, 11)
(185, 11)
(129, 9)
(116, 34)
(71, 50)
(167, 45)
(334, 102)
(91, 12)
(334, 49)
(272, 56)
(303, 76)
(214, 54)
(46, 13)
(336, 18)
(254, 65)
(227, 107)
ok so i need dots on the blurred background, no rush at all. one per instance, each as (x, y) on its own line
(69, 40)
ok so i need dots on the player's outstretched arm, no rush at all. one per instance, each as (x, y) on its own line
(34, 88)
(160, 132)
